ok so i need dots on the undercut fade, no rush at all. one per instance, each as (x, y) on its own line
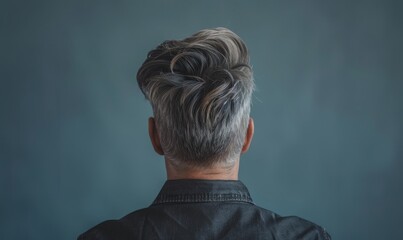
(200, 90)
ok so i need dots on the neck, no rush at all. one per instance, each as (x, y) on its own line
(210, 173)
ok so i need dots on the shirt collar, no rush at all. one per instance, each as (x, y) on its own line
(193, 191)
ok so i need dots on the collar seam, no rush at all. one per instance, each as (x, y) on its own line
(203, 197)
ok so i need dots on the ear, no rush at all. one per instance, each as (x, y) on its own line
(248, 136)
(155, 138)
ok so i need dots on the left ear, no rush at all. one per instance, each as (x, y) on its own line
(248, 136)
(154, 137)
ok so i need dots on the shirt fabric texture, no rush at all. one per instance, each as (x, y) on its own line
(205, 209)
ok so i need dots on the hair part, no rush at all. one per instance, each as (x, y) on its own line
(200, 90)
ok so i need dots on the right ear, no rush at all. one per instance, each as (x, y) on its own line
(249, 136)
(154, 137)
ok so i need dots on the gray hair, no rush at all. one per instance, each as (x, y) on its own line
(200, 90)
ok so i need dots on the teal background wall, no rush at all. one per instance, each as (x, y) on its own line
(328, 110)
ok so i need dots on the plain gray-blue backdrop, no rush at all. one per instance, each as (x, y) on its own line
(328, 110)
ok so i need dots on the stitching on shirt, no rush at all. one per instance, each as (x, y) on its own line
(202, 197)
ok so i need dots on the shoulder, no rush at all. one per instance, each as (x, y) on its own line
(292, 227)
(108, 230)
(121, 229)
(301, 229)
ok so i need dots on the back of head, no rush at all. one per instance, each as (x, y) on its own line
(200, 89)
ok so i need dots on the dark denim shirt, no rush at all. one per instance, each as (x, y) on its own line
(205, 209)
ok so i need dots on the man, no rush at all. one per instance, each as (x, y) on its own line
(200, 90)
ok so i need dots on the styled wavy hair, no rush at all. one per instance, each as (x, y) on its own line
(200, 90)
